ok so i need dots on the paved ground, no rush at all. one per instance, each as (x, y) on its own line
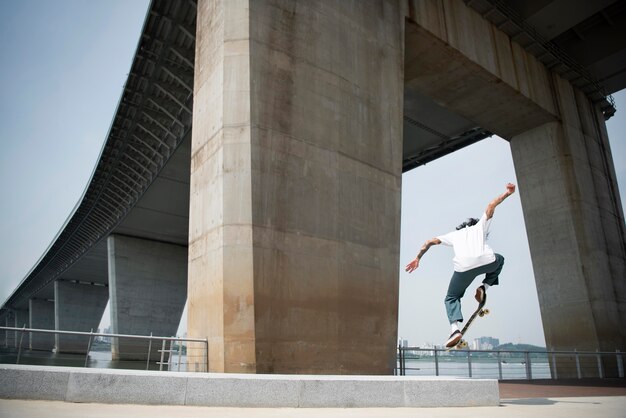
(605, 407)
(562, 388)
(560, 399)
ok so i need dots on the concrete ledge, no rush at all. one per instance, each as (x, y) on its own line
(242, 390)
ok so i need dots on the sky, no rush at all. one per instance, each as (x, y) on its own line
(65, 63)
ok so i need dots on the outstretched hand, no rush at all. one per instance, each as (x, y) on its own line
(412, 265)
(510, 188)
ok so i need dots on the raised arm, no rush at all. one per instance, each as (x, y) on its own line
(416, 262)
(491, 207)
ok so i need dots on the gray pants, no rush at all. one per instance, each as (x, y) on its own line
(461, 281)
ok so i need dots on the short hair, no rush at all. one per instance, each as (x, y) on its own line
(469, 222)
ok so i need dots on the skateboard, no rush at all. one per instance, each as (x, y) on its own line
(480, 311)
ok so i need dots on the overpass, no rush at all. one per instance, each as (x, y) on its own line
(304, 114)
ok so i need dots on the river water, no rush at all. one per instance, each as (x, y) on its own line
(482, 368)
(424, 366)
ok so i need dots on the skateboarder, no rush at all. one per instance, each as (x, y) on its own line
(472, 257)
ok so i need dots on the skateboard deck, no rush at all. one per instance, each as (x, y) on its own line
(480, 312)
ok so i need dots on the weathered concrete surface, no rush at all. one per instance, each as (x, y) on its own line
(78, 307)
(575, 226)
(148, 289)
(295, 185)
(569, 194)
(466, 64)
(41, 317)
(241, 390)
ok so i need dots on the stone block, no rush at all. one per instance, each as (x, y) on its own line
(31, 382)
(351, 392)
(436, 392)
(253, 391)
(126, 386)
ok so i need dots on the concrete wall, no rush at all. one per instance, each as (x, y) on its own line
(148, 289)
(41, 317)
(295, 185)
(78, 307)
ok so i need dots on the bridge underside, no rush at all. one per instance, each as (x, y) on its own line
(317, 152)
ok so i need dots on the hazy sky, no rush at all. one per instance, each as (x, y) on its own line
(64, 65)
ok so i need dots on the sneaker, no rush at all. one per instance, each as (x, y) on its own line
(454, 339)
(480, 294)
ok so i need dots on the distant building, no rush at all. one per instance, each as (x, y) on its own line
(403, 343)
(485, 343)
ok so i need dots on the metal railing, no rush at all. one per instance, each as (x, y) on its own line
(82, 349)
(509, 364)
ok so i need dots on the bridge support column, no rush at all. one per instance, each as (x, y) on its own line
(78, 307)
(41, 317)
(575, 225)
(22, 319)
(3, 334)
(295, 185)
(148, 289)
(10, 335)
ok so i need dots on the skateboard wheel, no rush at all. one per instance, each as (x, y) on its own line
(486, 311)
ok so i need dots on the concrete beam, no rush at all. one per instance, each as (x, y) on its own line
(148, 289)
(41, 317)
(464, 63)
(78, 307)
(295, 186)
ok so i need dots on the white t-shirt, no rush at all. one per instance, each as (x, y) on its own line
(470, 245)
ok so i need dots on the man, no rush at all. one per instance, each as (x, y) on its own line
(472, 257)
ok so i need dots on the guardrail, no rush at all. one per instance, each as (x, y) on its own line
(509, 364)
(156, 352)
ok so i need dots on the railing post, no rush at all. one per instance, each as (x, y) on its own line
(400, 361)
(499, 365)
(88, 348)
(555, 374)
(180, 353)
(529, 372)
(578, 370)
(162, 354)
(436, 362)
(469, 363)
(149, 352)
(599, 360)
(620, 364)
(207, 354)
(19, 349)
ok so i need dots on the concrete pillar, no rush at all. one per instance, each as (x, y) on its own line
(575, 226)
(22, 320)
(78, 307)
(148, 289)
(3, 333)
(41, 317)
(295, 185)
(10, 335)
